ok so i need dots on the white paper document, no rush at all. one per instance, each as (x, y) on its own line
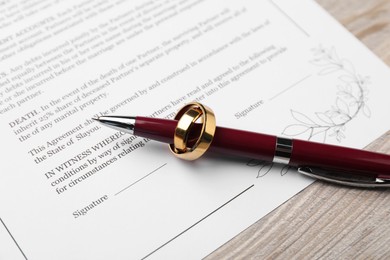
(72, 189)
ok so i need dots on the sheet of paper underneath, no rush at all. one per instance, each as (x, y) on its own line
(71, 189)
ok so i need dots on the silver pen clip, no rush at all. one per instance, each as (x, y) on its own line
(344, 178)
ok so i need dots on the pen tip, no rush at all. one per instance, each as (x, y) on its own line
(95, 118)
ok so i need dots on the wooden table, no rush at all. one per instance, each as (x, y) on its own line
(324, 220)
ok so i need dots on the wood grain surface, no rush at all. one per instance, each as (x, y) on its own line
(327, 221)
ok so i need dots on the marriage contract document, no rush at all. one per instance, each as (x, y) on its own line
(71, 189)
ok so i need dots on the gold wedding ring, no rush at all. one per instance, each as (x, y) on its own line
(187, 117)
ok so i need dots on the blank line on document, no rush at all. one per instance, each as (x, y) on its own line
(289, 17)
(290, 87)
(6, 228)
(196, 223)
(140, 179)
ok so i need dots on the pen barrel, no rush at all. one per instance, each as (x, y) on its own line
(226, 141)
(262, 147)
(332, 157)
(244, 144)
(157, 129)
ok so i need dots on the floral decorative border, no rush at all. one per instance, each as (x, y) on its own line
(350, 101)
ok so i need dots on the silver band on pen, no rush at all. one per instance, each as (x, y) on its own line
(283, 150)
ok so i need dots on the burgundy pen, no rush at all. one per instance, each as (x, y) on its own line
(332, 163)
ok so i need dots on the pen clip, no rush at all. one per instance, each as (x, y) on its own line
(344, 177)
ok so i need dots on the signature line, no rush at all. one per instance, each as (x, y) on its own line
(13, 238)
(196, 223)
(290, 87)
(141, 179)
